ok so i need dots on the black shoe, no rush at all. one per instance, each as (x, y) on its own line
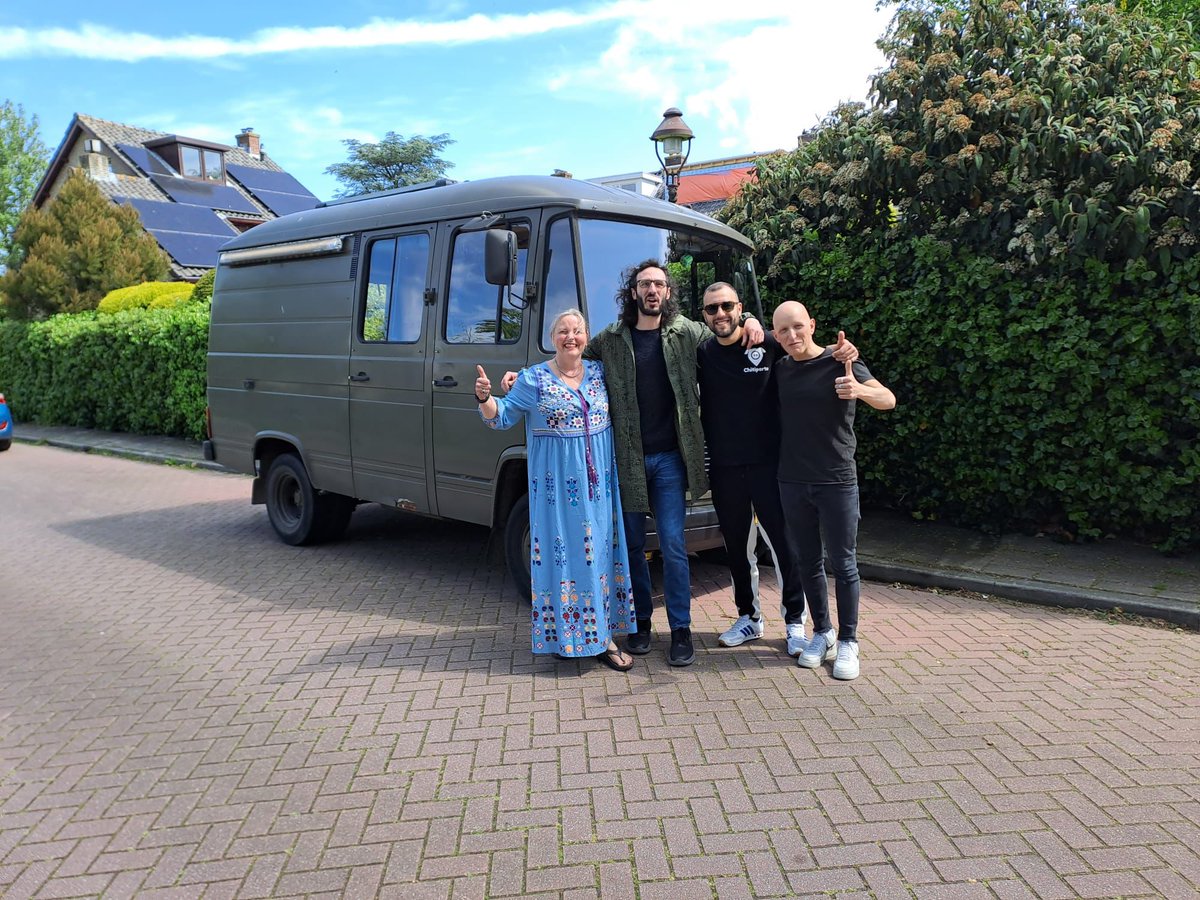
(681, 653)
(639, 643)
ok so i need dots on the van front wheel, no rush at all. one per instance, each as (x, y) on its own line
(516, 547)
(292, 504)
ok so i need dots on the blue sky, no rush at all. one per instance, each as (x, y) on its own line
(536, 87)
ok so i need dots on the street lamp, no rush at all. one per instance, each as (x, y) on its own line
(672, 144)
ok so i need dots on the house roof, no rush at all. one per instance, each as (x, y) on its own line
(720, 185)
(189, 218)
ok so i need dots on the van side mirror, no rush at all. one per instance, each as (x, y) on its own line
(500, 257)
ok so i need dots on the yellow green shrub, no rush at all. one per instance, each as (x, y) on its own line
(170, 300)
(141, 296)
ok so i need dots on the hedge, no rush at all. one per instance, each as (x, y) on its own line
(141, 371)
(1065, 403)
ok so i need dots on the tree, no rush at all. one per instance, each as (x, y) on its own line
(1041, 132)
(393, 162)
(23, 159)
(69, 254)
(1011, 230)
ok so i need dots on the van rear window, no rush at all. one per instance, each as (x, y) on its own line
(397, 268)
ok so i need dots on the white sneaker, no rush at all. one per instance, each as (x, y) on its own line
(820, 649)
(845, 666)
(797, 643)
(744, 629)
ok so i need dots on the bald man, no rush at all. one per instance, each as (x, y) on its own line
(818, 478)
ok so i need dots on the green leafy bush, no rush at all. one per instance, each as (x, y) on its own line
(203, 289)
(1041, 133)
(155, 294)
(140, 370)
(1011, 234)
(1067, 403)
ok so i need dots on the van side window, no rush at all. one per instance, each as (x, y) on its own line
(396, 288)
(562, 282)
(476, 312)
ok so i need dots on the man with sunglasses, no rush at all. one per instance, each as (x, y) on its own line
(649, 358)
(740, 416)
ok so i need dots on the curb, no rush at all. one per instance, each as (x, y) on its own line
(124, 452)
(1165, 609)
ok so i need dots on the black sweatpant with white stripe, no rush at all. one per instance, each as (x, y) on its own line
(738, 493)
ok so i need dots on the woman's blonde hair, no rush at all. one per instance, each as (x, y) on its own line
(569, 312)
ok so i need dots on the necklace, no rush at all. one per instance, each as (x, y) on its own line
(563, 373)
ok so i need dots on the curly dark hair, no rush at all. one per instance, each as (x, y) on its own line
(627, 293)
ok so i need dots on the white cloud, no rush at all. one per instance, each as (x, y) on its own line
(92, 41)
(756, 73)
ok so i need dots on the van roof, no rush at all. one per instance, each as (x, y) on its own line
(472, 198)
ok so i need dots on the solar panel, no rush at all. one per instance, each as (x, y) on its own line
(256, 180)
(282, 204)
(191, 249)
(158, 216)
(204, 193)
(148, 162)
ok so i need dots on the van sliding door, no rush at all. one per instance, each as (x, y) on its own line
(387, 370)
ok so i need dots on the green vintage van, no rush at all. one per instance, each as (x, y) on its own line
(344, 341)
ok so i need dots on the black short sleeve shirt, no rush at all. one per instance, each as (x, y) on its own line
(738, 409)
(817, 428)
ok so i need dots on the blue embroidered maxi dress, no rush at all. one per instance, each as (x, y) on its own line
(578, 554)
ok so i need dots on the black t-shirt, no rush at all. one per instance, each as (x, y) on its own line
(817, 428)
(656, 400)
(738, 406)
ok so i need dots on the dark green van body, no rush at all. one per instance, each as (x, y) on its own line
(344, 341)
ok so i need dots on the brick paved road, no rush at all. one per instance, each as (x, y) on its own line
(190, 708)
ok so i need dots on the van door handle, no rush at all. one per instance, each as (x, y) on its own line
(361, 376)
(445, 381)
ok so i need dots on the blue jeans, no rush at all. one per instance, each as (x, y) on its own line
(832, 510)
(666, 480)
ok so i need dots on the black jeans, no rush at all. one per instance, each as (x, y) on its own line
(813, 510)
(738, 493)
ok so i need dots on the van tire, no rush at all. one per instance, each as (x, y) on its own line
(292, 505)
(5, 444)
(516, 548)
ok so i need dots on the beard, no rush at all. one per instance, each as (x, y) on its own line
(646, 310)
(724, 329)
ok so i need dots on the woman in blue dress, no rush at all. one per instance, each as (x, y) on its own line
(578, 555)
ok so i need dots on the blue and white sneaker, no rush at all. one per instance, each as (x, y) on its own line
(822, 648)
(744, 629)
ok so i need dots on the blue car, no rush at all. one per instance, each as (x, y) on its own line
(5, 425)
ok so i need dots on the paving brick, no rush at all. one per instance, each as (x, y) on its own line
(1110, 884)
(679, 889)
(561, 878)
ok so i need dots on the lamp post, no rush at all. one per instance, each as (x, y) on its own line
(672, 144)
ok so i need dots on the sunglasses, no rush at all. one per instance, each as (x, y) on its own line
(724, 306)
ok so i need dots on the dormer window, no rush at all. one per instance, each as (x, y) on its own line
(195, 162)
(191, 158)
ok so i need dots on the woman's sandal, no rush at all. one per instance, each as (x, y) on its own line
(612, 659)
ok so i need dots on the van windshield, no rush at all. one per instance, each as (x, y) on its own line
(695, 260)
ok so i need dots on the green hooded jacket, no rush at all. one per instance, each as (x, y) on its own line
(614, 347)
